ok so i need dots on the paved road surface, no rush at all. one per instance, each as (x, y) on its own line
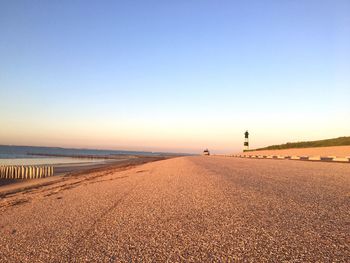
(196, 209)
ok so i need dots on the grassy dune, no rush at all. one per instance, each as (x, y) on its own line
(341, 141)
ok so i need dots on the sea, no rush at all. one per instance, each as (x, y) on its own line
(34, 155)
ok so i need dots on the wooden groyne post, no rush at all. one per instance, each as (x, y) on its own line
(26, 171)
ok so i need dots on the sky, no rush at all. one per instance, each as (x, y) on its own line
(175, 76)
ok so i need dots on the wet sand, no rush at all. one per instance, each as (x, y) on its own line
(187, 209)
(78, 168)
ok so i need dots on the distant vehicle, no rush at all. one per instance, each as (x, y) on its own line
(206, 152)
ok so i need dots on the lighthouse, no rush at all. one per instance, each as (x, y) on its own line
(246, 141)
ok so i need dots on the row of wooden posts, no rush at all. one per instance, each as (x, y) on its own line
(25, 172)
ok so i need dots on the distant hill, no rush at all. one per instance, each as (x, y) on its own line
(341, 141)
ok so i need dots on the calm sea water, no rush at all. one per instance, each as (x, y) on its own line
(21, 155)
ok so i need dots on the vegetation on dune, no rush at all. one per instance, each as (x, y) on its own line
(341, 141)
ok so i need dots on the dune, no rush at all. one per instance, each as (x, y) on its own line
(338, 151)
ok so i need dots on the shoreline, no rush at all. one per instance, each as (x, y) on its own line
(87, 156)
(63, 172)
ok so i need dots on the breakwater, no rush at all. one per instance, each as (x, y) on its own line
(25, 171)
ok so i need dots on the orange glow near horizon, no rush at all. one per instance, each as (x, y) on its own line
(165, 134)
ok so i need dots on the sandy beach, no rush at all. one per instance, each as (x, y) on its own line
(126, 129)
(186, 209)
(74, 169)
(338, 151)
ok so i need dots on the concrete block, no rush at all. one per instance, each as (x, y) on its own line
(314, 158)
(326, 158)
(340, 159)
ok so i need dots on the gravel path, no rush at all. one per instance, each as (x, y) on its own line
(188, 209)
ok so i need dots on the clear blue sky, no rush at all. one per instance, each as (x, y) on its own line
(173, 75)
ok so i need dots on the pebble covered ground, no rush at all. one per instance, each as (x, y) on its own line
(187, 209)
